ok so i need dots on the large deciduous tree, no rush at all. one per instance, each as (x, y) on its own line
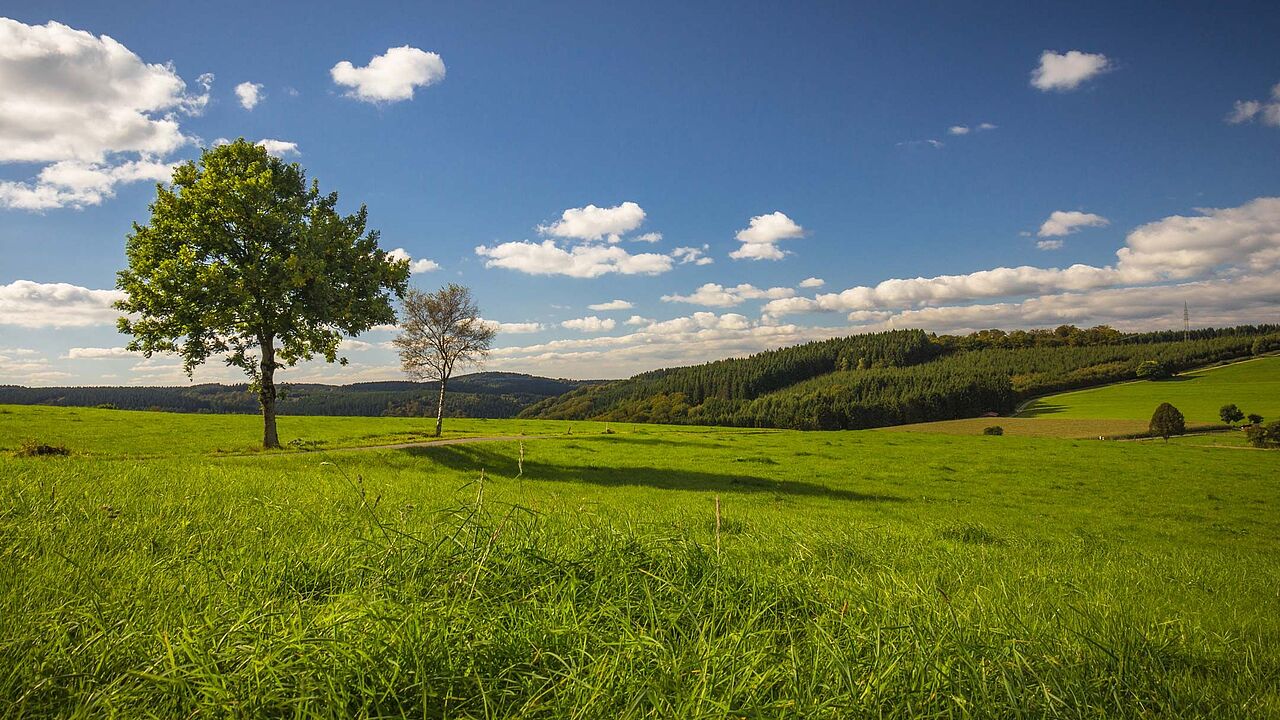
(243, 258)
(440, 331)
(1167, 421)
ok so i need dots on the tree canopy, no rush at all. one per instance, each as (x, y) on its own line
(243, 258)
(1167, 421)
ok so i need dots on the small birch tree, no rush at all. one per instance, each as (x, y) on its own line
(438, 332)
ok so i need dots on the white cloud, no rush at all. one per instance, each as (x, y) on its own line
(590, 324)
(76, 184)
(279, 148)
(390, 77)
(812, 282)
(638, 320)
(1219, 302)
(34, 305)
(612, 305)
(76, 103)
(99, 353)
(697, 256)
(514, 328)
(649, 237)
(679, 341)
(1067, 71)
(759, 239)
(1218, 241)
(249, 94)
(966, 129)
(716, 295)
(1049, 244)
(582, 261)
(592, 223)
(353, 345)
(1267, 111)
(1065, 222)
(415, 266)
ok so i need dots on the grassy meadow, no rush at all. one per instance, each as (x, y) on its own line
(155, 572)
(1253, 384)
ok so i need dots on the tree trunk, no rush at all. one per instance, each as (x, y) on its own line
(267, 395)
(440, 407)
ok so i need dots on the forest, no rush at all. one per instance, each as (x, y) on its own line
(899, 376)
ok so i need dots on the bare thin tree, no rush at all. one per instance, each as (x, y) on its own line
(438, 332)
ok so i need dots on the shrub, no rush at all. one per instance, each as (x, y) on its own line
(1264, 436)
(993, 430)
(1152, 370)
(1230, 414)
(107, 406)
(1255, 419)
(31, 448)
(1167, 420)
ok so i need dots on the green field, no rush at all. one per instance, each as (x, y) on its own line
(1254, 385)
(853, 574)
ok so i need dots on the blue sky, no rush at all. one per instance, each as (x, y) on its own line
(1151, 130)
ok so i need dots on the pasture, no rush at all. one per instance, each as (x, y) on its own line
(868, 573)
(1253, 384)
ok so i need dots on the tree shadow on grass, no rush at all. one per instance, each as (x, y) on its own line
(1040, 409)
(471, 458)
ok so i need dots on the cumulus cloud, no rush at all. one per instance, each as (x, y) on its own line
(1049, 244)
(612, 305)
(649, 237)
(391, 76)
(514, 328)
(75, 184)
(590, 324)
(812, 282)
(1065, 222)
(697, 256)
(581, 261)
(695, 338)
(759, 239)
(279, 148)
(415, 266)
(249, 94)
(41, 305)
(89, 110)
(593, 223)
(1267, 111)
(717, 295)
(1069, 70)
(1217, 241)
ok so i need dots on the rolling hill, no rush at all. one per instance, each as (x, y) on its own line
(480, 395)
(897, 377)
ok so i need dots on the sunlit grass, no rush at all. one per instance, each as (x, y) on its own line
(859, 573)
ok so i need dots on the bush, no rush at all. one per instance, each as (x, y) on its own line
(31, 448)
(1264, 436)
(1166, 421)
(1230, 414)
(1255, 419)
(107, 406)
(1152, 370)
(993, 430)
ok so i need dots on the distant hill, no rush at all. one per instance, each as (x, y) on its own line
(485, 394)
(896, 377)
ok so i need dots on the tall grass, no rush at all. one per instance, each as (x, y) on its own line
(389, 584)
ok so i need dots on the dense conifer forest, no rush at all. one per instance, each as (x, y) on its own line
(896, 377)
